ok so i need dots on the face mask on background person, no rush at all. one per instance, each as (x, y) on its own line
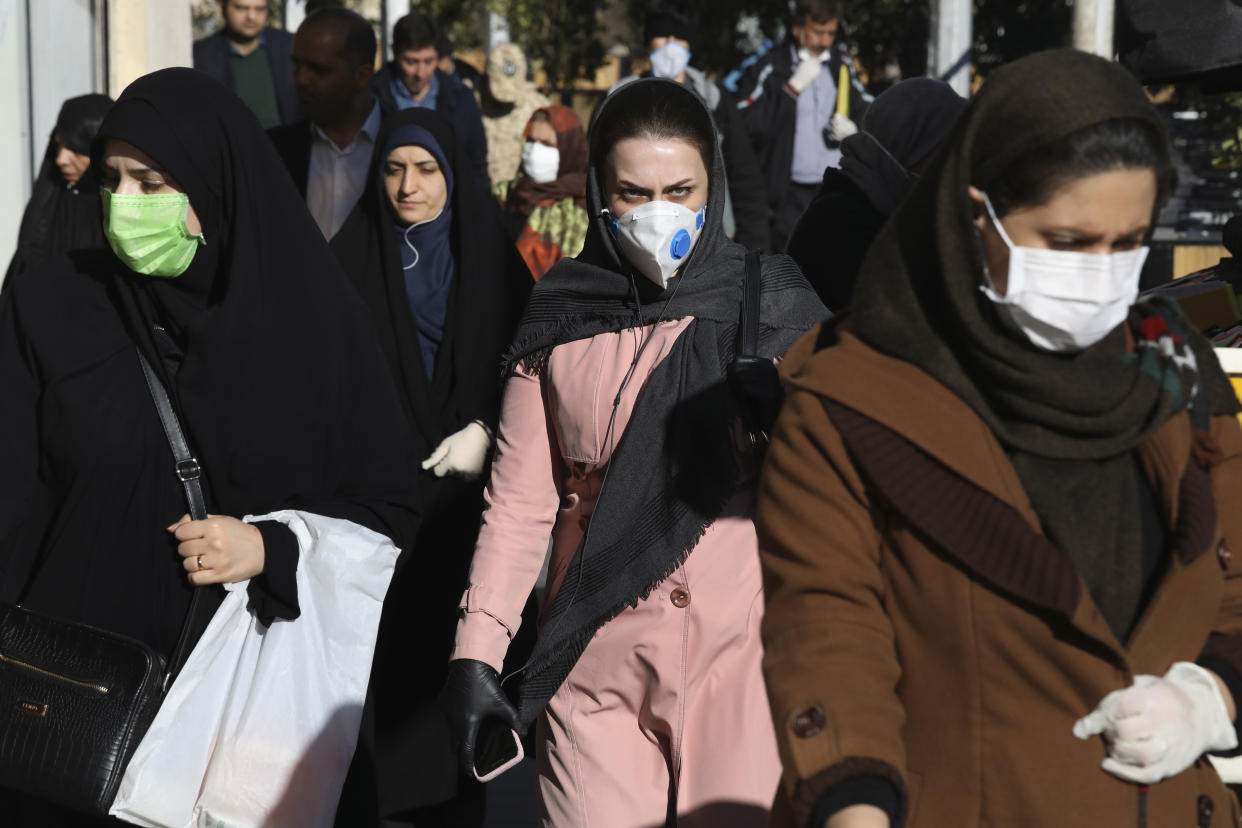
(656, 237)
(670, 60)
(149, 232)
(541, 162)
(1064, 301)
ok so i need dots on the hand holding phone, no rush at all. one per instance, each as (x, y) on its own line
(496, 750)
(481, 719)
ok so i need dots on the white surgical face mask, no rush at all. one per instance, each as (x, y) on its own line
(541, 162)
(670, 60)
(806, 54)
(1064, 301)
(656, 237)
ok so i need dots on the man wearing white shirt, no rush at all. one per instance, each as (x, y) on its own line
(329, 151)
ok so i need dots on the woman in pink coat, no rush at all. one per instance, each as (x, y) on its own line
(621, 438)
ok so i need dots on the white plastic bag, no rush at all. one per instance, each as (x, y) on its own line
(261, 724)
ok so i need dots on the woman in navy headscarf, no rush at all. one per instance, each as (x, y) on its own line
(427, 249)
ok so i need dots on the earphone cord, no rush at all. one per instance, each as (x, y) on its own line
(610, 437)
(409, 244)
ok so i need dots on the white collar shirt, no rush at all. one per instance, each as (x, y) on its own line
(337, 176)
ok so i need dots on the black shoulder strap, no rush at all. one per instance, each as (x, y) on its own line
(748, 328)
(189, 473)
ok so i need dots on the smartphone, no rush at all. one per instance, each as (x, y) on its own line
(497, 748)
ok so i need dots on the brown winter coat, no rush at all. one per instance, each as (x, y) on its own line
(916, 630)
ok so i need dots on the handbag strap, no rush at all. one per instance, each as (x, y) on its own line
(748, 328)
(189, 472)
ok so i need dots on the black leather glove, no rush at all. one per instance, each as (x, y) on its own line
(471, 693)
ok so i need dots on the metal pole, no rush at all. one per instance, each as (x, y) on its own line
(390, 12)
(1093, 26)
(294, 14)
(951, 45)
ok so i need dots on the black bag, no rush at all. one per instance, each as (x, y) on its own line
(75, 700)
(754, 379)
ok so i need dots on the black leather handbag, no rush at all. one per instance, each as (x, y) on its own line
(75, 700)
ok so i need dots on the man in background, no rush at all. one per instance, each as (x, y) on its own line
(413, 78)
(253, 60)
(789, 105)
(328, 152)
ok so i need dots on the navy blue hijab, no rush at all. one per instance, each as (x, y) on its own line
(444, 321)
(426, 249)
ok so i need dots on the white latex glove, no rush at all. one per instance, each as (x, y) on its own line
(807, 71)
(843, 127)
(461, 454)
(1158, 727)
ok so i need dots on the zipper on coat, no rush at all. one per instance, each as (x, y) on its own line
(1142, 806)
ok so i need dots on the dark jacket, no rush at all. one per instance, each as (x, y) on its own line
(211, 56)
(456, 104)
(833, 236)
(293, 145)
(769, 109)
(920, 630)
(747, 194)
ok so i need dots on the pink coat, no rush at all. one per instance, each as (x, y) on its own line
(680, 673)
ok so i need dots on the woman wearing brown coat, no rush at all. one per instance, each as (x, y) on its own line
(997, 510)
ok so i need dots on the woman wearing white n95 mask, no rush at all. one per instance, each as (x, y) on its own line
(617, 437)
(997, 510)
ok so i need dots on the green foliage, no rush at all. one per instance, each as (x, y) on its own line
(463, 19)
(1224, 113)
(884, 33)
(558, 36)
(1006, 30)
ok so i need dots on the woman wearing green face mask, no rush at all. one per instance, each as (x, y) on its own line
(217, 274)
(147, 218)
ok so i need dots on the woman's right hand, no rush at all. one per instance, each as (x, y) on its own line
(471, 693)
(858, 816)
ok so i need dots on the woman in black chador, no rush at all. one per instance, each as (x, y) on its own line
(217, 274)
(63, 211)
(427, 249)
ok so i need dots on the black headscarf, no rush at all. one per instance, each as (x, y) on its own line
(902, 126)
(488, 289)
(676, 465)
(59, 217)
(279, 383)
(1068, 421)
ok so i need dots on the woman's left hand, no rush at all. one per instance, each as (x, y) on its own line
(461, 454)
(1160, 726)
(219, 550)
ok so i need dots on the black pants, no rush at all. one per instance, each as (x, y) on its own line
(785, 216)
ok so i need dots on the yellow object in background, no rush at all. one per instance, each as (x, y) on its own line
(1237, 389)
(843, 91)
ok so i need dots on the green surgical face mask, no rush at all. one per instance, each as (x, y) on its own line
(149, 233)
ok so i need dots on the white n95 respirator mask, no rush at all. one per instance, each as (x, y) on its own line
(1064, 301)
(656, 237)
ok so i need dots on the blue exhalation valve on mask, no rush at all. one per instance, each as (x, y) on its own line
(657, 236)
(681, 244)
